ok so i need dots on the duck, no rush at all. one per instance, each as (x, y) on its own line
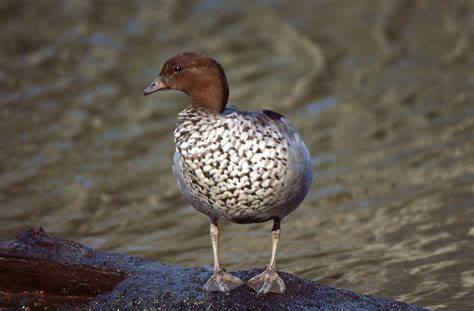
(245, 167)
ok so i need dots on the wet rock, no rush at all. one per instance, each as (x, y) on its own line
(40, 270)
(37, 269)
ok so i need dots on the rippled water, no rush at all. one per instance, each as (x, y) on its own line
(382, 92)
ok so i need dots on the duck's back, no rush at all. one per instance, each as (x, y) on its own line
(243, 166)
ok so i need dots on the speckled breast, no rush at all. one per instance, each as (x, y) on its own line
(231, 165)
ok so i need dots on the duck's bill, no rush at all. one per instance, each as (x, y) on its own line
(155, 86)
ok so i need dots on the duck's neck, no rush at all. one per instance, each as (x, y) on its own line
(211, 94)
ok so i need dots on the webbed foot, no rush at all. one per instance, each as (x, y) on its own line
(222, 281)
(267, 282)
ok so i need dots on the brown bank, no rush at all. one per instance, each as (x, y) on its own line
(40, 270)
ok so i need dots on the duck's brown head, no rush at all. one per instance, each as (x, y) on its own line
(199, 76)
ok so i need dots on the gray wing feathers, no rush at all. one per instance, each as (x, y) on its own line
(183, 188)
(300, 169)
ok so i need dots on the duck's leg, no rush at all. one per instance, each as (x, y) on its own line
(268, 280)
(220, 280)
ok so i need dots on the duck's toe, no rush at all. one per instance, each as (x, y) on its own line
(222, 281)
(267, 282)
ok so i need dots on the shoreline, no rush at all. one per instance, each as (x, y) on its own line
(41, 270)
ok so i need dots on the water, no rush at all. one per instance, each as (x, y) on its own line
(382, 92)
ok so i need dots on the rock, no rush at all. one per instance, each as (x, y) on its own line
(40, 270)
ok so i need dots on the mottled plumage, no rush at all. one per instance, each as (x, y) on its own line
(247, 167)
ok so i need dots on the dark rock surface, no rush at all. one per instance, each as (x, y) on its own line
(41, 270)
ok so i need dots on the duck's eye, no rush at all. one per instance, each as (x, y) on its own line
(177, 68)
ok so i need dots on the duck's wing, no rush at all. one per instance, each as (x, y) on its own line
(299, 172)
(184, 189)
